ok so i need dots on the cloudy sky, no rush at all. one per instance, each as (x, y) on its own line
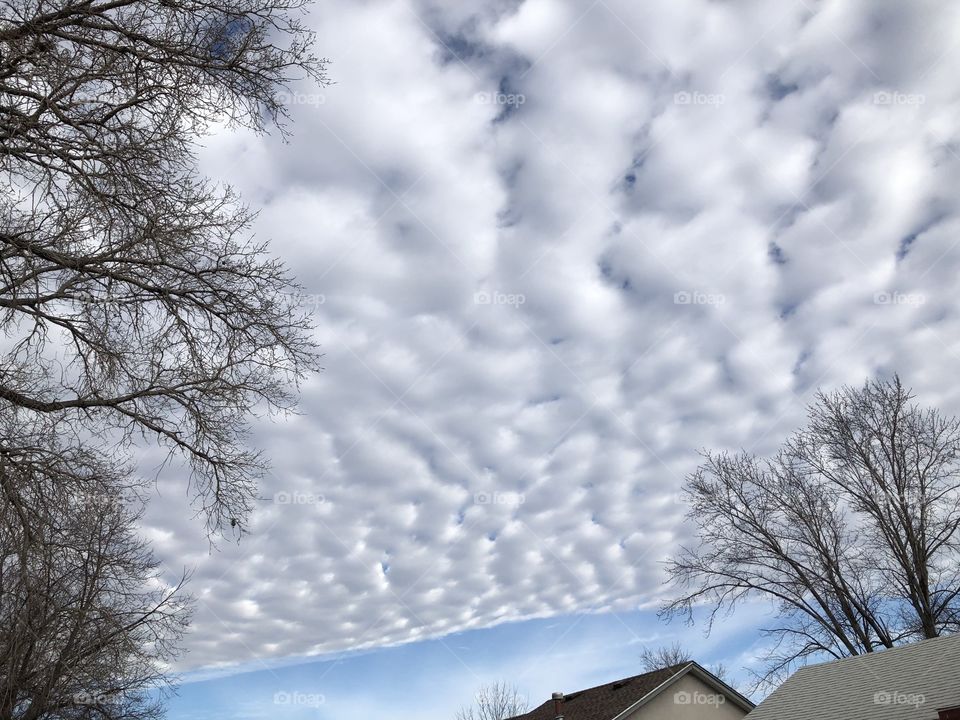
(553, 249)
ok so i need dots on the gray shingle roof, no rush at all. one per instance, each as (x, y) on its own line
(910, 682)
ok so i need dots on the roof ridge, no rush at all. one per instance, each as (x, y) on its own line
(869, 657)
(631, 678)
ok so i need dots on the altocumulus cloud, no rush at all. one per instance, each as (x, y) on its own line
(553, 249)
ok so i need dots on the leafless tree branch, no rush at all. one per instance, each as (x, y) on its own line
(88, 627)
(497, 701)
(133, 300)
(851, 529)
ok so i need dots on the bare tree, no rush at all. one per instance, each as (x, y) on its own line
(87, 626)
(663, 656)
(666, 656)
(496, 701)
(851, 529)
(132, 301)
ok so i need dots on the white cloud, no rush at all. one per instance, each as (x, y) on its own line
(535, 312)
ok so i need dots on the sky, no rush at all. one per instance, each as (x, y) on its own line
(432, 678)
(553, 250)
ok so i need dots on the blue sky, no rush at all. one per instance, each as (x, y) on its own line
(553, 250)
(431, 679)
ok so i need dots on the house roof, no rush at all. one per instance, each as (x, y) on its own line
(910, 682)
(609, 701)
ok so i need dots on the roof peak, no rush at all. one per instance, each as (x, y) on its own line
(677, 667)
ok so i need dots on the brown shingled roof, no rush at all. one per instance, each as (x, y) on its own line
(605, 702)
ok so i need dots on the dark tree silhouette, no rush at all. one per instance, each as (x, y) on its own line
(497, 701)
(665, 656)
(132, 301)
(851, 529)
(87, 626)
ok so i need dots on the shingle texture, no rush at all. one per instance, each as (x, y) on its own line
(605, 702)
(905, 683)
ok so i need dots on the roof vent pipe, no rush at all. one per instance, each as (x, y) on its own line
(558, 706)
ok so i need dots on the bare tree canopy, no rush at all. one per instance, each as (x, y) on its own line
(851, 529)
(87, 627)
(665, 656)
(496, 701)
(132, 301)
